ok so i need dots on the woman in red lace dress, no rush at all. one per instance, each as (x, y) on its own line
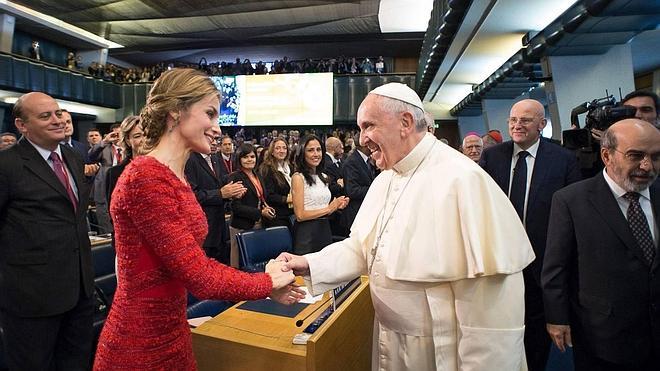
(159, 230)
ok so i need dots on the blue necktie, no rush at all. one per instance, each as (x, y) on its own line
(519, 184)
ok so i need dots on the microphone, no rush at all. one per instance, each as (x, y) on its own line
(301, 321)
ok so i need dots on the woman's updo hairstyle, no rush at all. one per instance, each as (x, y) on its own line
(174, 91)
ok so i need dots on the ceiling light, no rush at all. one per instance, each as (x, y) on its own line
(417, 15)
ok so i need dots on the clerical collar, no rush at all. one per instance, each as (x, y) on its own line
(415, 156)
(532, 150)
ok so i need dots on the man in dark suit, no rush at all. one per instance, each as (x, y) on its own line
(600, 278)
(107, 154)
(530, 170)
(203, 174)
(226, 157)
(80, 148)
(334, 149)
(46, 275)
(358, 173)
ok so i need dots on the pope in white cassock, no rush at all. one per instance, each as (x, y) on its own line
(442, 245)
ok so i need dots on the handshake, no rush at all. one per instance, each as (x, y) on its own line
(284, 289)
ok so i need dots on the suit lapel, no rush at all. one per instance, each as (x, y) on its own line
(76, 171)
(504, 167)
(542, 164)
(604, 202)
(36, 164)
(205, 165)
(655, 204)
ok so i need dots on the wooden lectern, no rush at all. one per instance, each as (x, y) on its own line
(244, 340)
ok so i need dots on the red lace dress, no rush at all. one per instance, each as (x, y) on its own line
(159, 230)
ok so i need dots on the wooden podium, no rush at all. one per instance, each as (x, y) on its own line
(245, 340)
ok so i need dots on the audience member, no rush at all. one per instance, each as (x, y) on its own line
(159, 232)
(226, 156)
(647, 105)
(247, 211)
(7, 140)
(491, 138)
(80, 148)
(46, 274)
(276, 174)
(441, 244)
(600, 281)
(107, 154)
(334, 151)
(93, 137)
(212, 192)
(131, 137)
(35, 50)
(380, 65)
(530, 170)
(472, 146)
(358, 173)
(311, 198)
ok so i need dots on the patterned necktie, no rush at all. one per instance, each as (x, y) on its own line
(118, 155)
(519, 184)
(639, 227)
(60, 172)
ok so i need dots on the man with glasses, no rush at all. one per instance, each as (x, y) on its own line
(530, 169)
(600, 278)
(211, 190)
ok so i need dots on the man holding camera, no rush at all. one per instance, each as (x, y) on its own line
(107, 154)
(601, 287)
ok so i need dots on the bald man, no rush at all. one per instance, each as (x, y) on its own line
(530, 170)
(600, 277)
(334, 151)
(472, 146)
(46, 275)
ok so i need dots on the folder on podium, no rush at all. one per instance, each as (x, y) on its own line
(250, 340)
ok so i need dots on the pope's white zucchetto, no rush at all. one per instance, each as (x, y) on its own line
(400, 92)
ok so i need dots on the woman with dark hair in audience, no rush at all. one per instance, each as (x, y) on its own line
(131, 137)
(311, 198)
(159, 230)
(248, 211)
(276, 173)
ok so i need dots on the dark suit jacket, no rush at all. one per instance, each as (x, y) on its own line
(357, 179)
(111, 178)
(45, 252)
(206, 186)
(80, 148)
(100, 153)
(333, 172)
(223, 171)
(245, 211)
(276, 194)
(554, 168)
(594, 277)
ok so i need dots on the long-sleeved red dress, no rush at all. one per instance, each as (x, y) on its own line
(159, 230)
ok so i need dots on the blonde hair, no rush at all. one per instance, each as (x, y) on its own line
(129, 123)
(174, 91)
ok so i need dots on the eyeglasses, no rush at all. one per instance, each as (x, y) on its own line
(524, 121)
(638, 156)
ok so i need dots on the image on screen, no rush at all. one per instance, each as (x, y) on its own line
(276, 100)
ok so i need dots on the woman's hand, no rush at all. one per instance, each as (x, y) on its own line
(288, 295)
(268, 212)
(338, 203)
(280, 279)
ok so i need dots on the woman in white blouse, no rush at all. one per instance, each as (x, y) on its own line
(311, 198)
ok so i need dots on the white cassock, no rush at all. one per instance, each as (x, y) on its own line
(446, 280)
